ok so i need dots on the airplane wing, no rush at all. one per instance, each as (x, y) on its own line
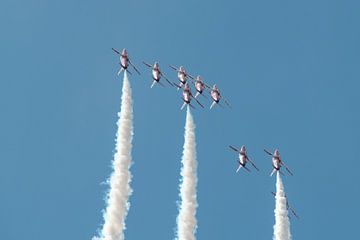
(134, 67)
(252, 163)
(115, 50)
(146, 64)
(207, 86)
(246, 168)
(268, 152)
(294, 213)
(161, 84)
(219, 104)
(242, 166)
(167, 79)
(190, 79)
(191, 106)
(190, 76)
(174, 68)
(287, 168)
(198, 101)
(227, 103)
(233, 148)
(127, 70)
(177, 85)
(202, 94)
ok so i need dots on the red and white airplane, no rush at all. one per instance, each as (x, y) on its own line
(157, 74)
(243, 158)
(200, 86)
(187, 96)
(288, 206)
(277, 163)
(182, 75)
(216, 96)
(125, 61)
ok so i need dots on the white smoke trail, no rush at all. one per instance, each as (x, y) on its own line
(120, 190)
(186, 220)
(282, 223)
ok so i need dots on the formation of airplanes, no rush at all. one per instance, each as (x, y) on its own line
(184, 79)
(125, 61)
(277, 163)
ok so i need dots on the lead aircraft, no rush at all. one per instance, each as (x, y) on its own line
(124, 61)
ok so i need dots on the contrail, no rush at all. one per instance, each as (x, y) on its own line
(120, 190)
(186, 220)
(282, 223)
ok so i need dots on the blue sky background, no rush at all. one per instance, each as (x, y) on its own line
(289, 68)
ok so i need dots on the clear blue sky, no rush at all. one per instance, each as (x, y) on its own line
(289, 68)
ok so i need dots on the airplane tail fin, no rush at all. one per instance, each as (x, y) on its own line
(127, 70)
(238, 169)
(177, 85)
(246, 168)
(153, 83)
(213, 104)
(182, 107)
(120, 70)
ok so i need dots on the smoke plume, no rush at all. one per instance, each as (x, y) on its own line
(282, 223)
(120, 190)
(186, 220)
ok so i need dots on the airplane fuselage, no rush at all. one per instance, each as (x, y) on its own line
(156, 74)
(182, 77)
(276, 163)
(199, 86)
(186, 96)
(124, 61)
(242, 159)
(215, 95)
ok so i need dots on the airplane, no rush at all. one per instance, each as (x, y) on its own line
(182, 75)
(288, 206)
(125, 61)
(157, 74)
(200, 86)
(187, 96)
(277, 163)
(216, 96)
(243, 158)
